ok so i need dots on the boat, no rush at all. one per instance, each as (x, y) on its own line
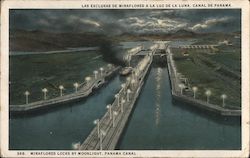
(126, 71)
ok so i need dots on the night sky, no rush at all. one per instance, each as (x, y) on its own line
(127, 21)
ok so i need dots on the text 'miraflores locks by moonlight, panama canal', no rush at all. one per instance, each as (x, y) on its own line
(102, 79)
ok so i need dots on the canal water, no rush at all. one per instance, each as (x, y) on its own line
(157, 123)
(63, 127)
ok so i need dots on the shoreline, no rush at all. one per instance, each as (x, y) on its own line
(69, 50)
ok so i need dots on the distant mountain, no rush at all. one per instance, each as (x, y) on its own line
(183, 32)
(21, 40)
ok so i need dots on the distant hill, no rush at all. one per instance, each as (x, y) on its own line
(183, 32)
(157, 36)
(21, 40)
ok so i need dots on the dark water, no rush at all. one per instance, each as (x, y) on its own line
(157, 123)
(60, 128)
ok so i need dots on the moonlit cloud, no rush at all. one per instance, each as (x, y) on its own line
(151, 24)
(126, 21)
(209, 23)
(90, 22)
(73, 19)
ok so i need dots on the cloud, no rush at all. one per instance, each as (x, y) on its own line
(209, 23)
(90, 22)
(77, 19)
(150, 24)
(123, 21)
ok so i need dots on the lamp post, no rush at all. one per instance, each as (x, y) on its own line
(97, 122)
(95, 73)
(181, 86)
(61, 90)
(136, 75)
(117, 96)
(128, 79)
(109, 66)
(76, 146)
(113, 120)
(123, 86)
(102, 133)
(101, 69)
(133, 83)
(185, 80)
(87, 79)
(122, 103)
(195, 90)
(133, 73)
(27, 93)
(128, 93)
(76, 85)
(208, 94)
(109, 107)
(223, 97)
(129, 60)
(44, 90)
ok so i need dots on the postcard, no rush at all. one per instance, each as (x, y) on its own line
(85, 78)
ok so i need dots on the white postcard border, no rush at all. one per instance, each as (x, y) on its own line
(77, 4)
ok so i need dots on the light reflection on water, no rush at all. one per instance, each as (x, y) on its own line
(159, 123)
(158, 96)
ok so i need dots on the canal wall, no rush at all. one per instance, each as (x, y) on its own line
(176, 93)
(83, 92)
(113, 128)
